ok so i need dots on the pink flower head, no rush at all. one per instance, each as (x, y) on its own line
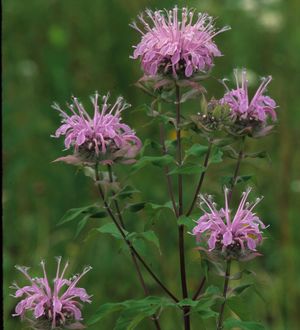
(173, 45)
(58, 306)
(101, 138)
(259, 108)
(235, 237)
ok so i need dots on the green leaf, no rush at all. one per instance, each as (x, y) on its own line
(216, 155)
(132, 311)
(72, 214)
(188, 169)
(151, 237)
(81, 225)
(223, 142)
(111, 228)
(259, 154)
(240, 289)
(240, 274)
(104, 311)
(245, 325)
(136, 207)
(197, 150)
(167, 205)
(126, 192)
(201, 306)
(227, 180)
(188, 222)
(81, 215)
(154, 160)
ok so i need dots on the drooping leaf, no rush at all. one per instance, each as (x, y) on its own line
(136, 207)
(81, 225)
(82, 215)
(151, 237)
(72, 214)
(111, 228)
(240, 289)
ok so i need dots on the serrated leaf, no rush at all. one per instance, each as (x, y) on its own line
(245, 325)
(197, 150)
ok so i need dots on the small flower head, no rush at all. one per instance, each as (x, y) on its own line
(230, 236)
(54, 306)
(250, 115)
(176, 45)
(101, 138)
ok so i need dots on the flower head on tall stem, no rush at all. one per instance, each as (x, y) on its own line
(56, 306)
(231, 236)
(102, 137)
(259, 108)
(176, 44)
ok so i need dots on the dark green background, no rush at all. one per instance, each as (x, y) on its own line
(53, 49)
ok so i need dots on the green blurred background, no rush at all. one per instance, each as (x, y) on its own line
(53, 49)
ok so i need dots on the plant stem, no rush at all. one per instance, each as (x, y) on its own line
(130, 246)
(197, 293)
(180, 212)
(166, 169)
(201, 179)
(154, 317)
(234, 181)
(226, 282)
(236, 171)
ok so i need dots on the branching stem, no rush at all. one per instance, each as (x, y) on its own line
(130, 246)
(154, 317)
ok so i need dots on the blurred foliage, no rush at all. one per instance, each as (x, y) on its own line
(53, 49)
